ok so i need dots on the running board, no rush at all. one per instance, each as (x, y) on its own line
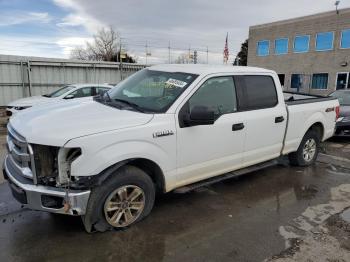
(209, 181)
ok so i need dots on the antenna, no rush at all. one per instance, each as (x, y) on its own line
(336, 6)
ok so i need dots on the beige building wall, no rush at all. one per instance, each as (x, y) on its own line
(331, 62)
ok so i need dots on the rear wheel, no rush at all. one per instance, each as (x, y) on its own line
(125, 198)
(308, 150)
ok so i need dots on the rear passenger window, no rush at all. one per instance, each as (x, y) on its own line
(259, 92)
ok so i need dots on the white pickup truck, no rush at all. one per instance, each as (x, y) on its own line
(165, 128)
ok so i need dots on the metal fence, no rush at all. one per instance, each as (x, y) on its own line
(28, 76)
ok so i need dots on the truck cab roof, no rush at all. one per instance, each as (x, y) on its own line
(208, 69)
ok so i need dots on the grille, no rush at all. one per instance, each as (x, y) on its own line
(21, 154)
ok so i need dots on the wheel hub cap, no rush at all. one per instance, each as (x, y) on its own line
(124, 205)
(309, 149)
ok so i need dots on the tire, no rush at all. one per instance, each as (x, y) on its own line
(116, 193)
(299, 158)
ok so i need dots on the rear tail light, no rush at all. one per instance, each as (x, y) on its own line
(337, 113)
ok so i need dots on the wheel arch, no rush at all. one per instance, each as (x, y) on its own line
(319, 128)
(152, 169)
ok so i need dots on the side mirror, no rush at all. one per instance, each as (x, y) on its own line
(200, 115)
(69, 97)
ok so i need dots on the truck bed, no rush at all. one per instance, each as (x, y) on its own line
(304, 110)
(300, 98)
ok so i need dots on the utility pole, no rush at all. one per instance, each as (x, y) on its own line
(169, 60)
(189, 54)
(336, 6)
(207, 55)
(146, 52)
(120, 60)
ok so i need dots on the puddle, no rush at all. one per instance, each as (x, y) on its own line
(308, 192)
(346, 215)
(316, 215)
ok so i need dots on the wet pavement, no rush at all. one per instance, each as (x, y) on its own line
(236, 220)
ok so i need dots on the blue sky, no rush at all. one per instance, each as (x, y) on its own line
(39, 28)
(51, 28)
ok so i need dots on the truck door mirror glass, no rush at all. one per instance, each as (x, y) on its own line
(200, 115)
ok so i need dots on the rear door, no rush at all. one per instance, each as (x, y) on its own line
(265, 117)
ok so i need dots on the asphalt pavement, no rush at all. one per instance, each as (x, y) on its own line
(272, 214)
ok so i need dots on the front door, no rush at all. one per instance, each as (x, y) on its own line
(342, 80)
(204, 151)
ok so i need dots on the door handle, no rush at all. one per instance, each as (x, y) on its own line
(237, 127)
(279, 119)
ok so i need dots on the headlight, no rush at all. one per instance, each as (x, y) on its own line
(65, 158)
(21, 107)
(46, 167)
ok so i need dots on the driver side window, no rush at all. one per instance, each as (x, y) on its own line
(217, 94)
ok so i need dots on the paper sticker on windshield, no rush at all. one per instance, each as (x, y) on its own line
(175, 82)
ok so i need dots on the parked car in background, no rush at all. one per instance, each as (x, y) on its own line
(67, 92)
(343, 123)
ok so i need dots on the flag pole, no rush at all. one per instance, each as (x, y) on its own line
(226, 52)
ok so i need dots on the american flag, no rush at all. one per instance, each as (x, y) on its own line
(226, 53)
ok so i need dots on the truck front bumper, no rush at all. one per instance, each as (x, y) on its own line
(44, 198)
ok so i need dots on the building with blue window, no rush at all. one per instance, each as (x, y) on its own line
(311, 54)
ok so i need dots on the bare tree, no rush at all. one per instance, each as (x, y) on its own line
(79, 53)
(104, 47)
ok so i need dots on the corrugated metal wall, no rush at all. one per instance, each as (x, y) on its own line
(28, 76)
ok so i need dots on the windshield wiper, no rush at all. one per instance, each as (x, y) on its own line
(131, 104)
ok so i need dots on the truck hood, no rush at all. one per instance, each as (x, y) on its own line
(56, 123)
(30, 101)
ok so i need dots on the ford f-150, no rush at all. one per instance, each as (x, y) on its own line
(165, 128)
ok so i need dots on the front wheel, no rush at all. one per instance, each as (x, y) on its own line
(125, 198)
(307, 152)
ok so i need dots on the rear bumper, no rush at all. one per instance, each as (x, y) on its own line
(43, 198)
(342, 128)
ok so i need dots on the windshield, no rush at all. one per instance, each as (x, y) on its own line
(61, 91)
(149, 90)
(343, 97)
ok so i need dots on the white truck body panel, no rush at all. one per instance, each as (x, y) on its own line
(109, 135)
(300, 120)
(55, 124)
